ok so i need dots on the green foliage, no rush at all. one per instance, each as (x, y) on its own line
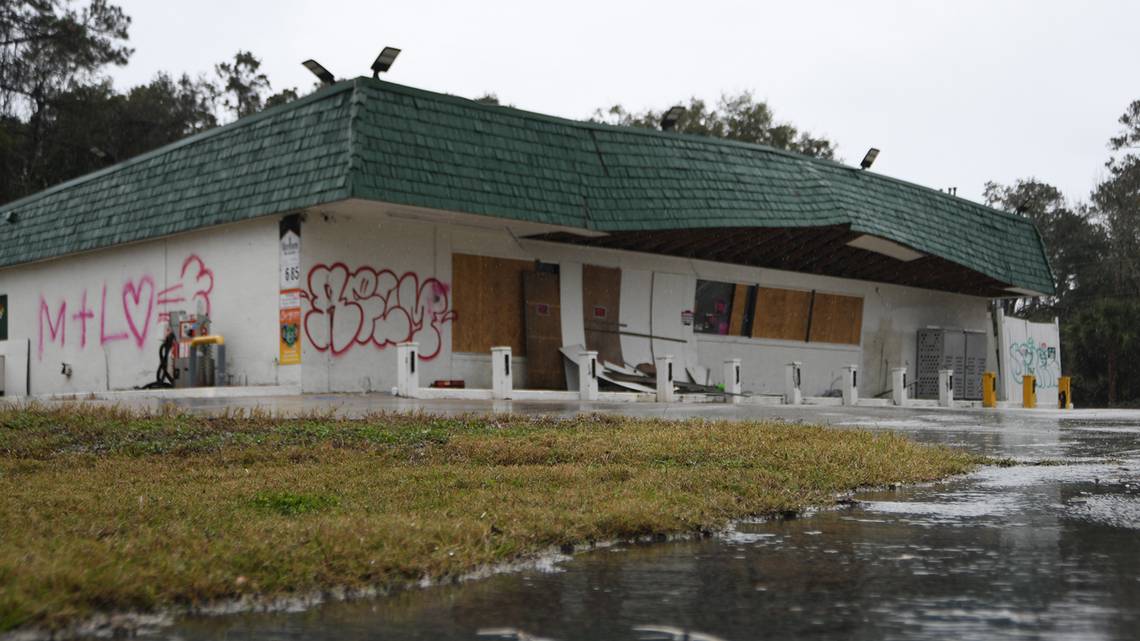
(1074, 243)
(740, 117)
(47, 46)
(1102, 350)
(60, 116)
(292, 504)
(242, 85)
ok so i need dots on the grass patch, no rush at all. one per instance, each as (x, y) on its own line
(288, 503)
(105, 509)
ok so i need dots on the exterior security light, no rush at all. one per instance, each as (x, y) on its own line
(669, 120)
(320, 72)
(869, 159)
(384, 61)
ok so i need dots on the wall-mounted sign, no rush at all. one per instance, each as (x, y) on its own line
(542, 309)
(599, 311)
(687, 317)
(289, 259)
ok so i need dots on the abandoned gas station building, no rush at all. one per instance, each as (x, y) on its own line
(316, 236)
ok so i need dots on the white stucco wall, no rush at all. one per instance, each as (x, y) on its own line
(104, 312)
(416, 256)
(371, 279)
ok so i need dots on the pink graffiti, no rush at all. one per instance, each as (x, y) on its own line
(104, 337)
(57, 329)
(366, 305)
(83, 315)
(133, 309)
(139, 298)
(195, 277)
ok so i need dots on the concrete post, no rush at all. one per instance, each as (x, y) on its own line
(665, 379)
(850, 385)
(792, 379)
(407, 369)
(946, 387)
(501, 382)
(588, 376)
(898, 386)
(732, 385)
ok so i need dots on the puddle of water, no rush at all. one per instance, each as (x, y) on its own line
(1033, 552)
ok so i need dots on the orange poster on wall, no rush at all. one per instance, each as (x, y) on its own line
(290, 336)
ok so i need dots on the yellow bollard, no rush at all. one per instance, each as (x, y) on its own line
(1065, 393)
(1029, 391)
(989, 389)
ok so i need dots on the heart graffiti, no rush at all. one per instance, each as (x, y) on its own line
(144, 307)
(138, 319)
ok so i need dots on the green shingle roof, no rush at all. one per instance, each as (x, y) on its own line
(379, 141)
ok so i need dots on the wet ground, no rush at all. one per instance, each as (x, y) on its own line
(1026, 552)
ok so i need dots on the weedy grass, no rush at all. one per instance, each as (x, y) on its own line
(107, 509)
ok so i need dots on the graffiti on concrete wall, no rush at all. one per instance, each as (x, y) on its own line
(127, 312)
(1030, 356)
(368, 306)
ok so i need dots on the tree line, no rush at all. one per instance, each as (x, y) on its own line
(1093, 247)
(61, 117)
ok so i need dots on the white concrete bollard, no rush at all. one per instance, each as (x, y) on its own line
(898, 386)
(501, 382)
(665, 379)
(792, 380)
(850, 385)
(732, 384)
(407, 369)
(946, 387)
(588, 376)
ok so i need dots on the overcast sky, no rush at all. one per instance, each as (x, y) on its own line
(955, 93)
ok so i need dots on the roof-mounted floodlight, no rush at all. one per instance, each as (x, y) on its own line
(869, 159)
(671, 117)
(384, 61)
(319, 71)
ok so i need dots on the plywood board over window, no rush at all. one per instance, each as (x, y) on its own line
(781, 314)
(601, 296)
(739, 302)
(543, 331)
(488, 295)
(836, 319)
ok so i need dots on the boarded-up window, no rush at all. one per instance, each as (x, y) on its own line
(836, 319)
(488, 295)
(782, 314)
(601, 301)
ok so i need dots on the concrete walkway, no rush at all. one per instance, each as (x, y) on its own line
(286, 402)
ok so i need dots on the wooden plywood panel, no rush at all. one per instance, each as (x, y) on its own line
(739, 302)
(601, 297)
(836, 319)
(488, 295)
(544, 368)
(781, 314)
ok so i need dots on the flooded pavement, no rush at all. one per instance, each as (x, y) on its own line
(1026, 552)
